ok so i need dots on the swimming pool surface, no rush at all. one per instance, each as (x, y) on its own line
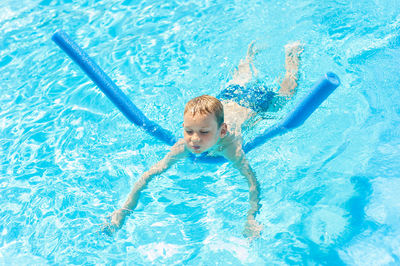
(329, 189)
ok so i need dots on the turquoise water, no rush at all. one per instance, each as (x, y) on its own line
(329, 189)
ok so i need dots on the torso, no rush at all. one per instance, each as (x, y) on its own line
(235, 116)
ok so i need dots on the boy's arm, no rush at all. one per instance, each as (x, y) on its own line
(177, 151)
(235, 154)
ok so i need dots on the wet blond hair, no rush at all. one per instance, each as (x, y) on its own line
(206, 104)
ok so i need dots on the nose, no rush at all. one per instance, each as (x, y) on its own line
(195, 138)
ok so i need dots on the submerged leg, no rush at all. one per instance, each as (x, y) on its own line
(292, 55)
(235, 114)
(246, 69)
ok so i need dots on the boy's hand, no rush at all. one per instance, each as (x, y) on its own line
(118, 217)
(117, 220)
(252, 229)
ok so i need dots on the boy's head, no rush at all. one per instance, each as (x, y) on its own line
(206, 104)
(203, 123)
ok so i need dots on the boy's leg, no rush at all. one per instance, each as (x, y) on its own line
(235, 114)
(246, 70)
(292, 54)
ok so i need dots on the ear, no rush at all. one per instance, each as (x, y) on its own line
(224, 130)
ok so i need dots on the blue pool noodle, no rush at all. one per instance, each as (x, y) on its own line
(320, 91)
(110, 89)
(306, 106)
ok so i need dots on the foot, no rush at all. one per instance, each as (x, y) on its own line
(246, 69)
(292, 60)
(294, 49)
(252, 51)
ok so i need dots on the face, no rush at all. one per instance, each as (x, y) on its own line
(201, 132)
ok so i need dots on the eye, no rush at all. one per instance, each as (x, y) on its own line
(188, 131)
(204, 132)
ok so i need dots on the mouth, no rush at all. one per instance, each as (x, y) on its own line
(196, 148)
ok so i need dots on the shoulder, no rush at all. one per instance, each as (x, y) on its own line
(179, 148)
(178, 151)
(231, 147)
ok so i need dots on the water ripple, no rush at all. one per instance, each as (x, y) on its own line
(69, 157)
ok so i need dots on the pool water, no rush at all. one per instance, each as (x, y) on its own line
(329, 189)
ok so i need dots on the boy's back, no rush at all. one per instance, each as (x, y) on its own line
(215, 127)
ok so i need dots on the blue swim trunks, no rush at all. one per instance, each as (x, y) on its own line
(255, 96)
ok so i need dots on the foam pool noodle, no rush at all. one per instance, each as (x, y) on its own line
(305, 107)
(110, 89)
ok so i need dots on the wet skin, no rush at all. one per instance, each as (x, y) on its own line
(201, 132)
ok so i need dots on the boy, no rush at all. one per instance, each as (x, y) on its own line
(208, 129)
